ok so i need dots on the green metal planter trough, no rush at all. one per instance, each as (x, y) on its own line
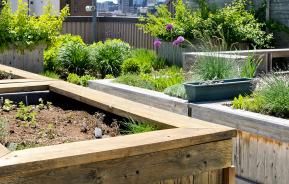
(217, 89)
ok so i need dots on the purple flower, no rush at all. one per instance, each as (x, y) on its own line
(178, 41)
(169, 27)
(157, 43)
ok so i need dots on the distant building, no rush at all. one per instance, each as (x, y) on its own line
(36, 6)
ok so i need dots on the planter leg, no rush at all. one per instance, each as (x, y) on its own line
(229, 175)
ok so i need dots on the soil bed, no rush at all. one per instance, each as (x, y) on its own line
(4, 75)
(64, 120)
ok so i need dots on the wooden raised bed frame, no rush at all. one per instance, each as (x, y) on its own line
(191, 151)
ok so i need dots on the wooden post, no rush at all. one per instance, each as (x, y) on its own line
(229, 175)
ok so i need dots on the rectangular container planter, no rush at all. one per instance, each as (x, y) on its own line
(227, 89)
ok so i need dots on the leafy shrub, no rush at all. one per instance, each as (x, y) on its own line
(3, 130)
(26, 114)
(51, 53)
(135, 127)
(107, 58)
(131, 65)
(177, 90)
(74, 57)
(22, 31)
(270, 97)
(134, 80)
(214, 67)
(79, 80)
(233, 22)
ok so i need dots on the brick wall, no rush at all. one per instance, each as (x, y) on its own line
(77, 7)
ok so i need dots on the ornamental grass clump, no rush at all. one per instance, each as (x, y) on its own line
(271, 97)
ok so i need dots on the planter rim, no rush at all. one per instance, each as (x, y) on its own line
(225, 82)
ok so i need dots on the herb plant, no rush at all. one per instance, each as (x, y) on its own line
(26, 114)
(133, 127)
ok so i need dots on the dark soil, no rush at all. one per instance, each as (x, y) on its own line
(63, 121)
(4, 75)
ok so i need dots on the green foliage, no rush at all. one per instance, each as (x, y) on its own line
(109, 76)
(26, 114)
(134, 80)
(250, 66)
(177, 90)
(50, 74)
(270, 97)
(8, 105)
(51, 53)
(130, 65)
(142, 61)
(157, 80)
(22, 31)
(107, 58)
(3, 130)
(214, 67)
(164, 78)
(74, 57)
(135, 127)
(233, 22)
(79, 80)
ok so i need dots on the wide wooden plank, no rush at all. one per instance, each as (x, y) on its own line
(24, 87)
(22, 74)
(51, 157)
(141, 169)
(9, 81)
(3, 150)
(127, 108)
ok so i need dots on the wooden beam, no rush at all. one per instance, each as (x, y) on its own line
(141, 169)
(229, 175)
(9, 81)
(3, 150)
(127, 108)
(24, 87)
(22, 74)
(84, 152)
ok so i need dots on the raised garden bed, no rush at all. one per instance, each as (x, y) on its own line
(189, 150)
(45, 118)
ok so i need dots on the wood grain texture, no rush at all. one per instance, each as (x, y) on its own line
(141, 169)
(24, 87)
(3, 150)
(51, 157)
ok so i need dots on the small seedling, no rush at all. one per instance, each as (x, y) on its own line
(8, 105)
(134, 127)
(26, 114)
(41, 105)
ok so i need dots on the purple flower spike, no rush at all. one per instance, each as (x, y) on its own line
(157, 43)
(169, 27)
(176, 43)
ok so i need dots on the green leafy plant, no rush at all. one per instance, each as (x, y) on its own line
(79, 80)
(107, 58)
(177, 90)
(134, 127)
(131, 65)
(26, 114)
(233, 22)
(134, 80)
(250, 66)
(52, 51)
(50, 74)
(74, 57)
(8, 105)
(214, 67)
(18, 29)
(271, 96)
(3, 130)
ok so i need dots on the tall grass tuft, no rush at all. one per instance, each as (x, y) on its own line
(134, 127)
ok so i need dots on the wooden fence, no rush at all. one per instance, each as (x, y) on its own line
(109, 27)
